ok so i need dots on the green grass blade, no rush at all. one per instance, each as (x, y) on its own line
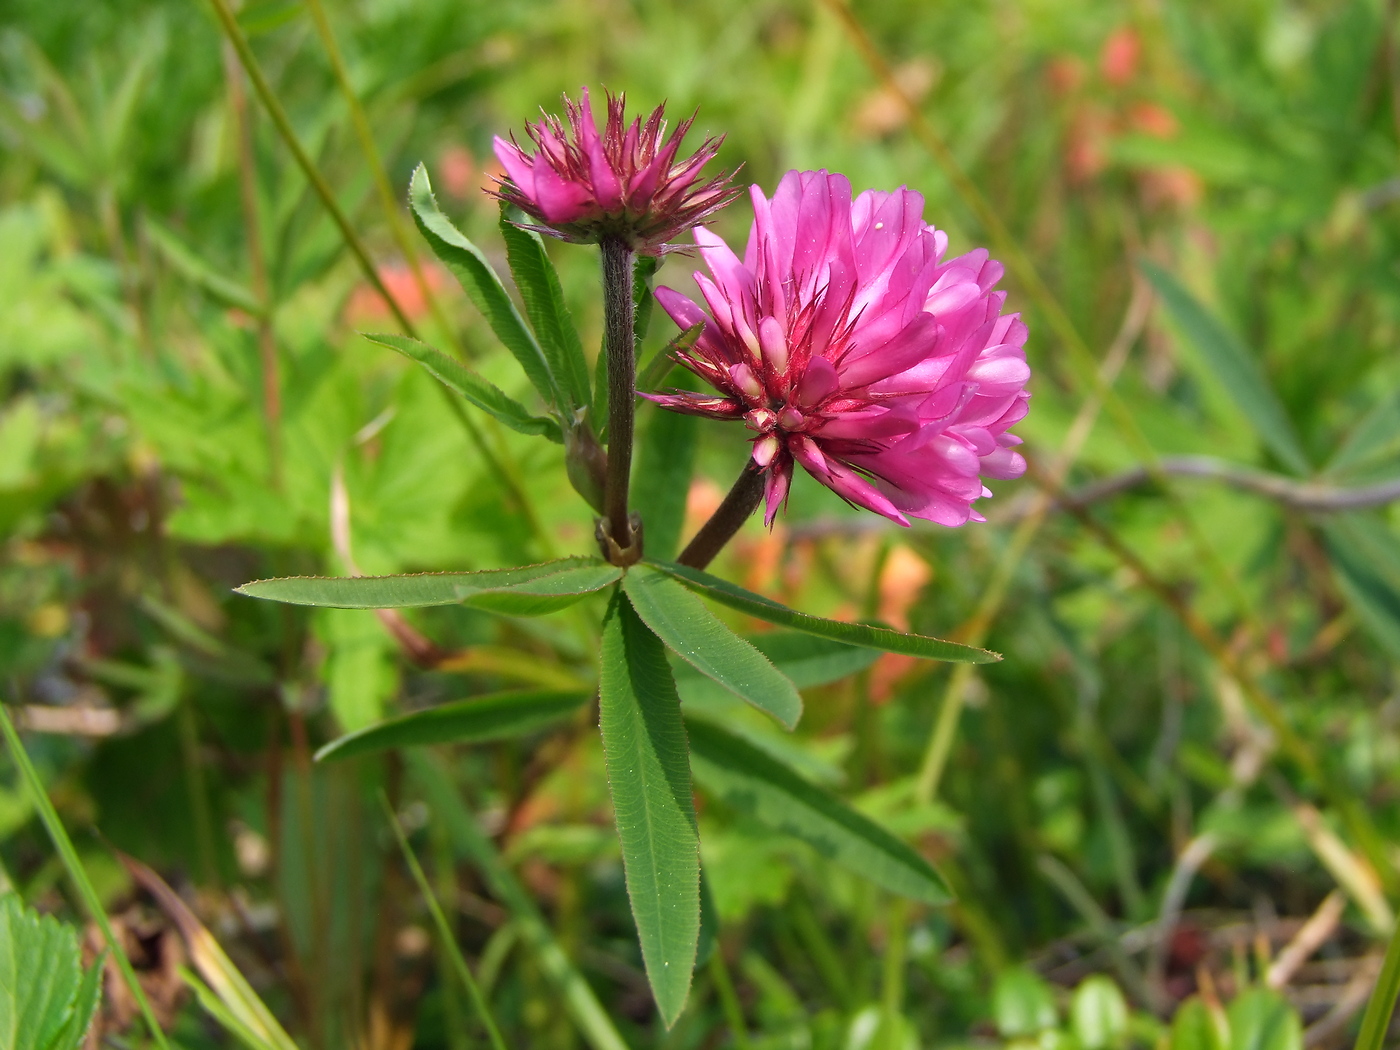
(209, 958)
(485, 395)
(577, 995)
(524, 591)
(444, 929)
(1233, 365)
(493, 717)
(59, 836)
(694, 633)
(861, 634)
(753, 781)
(644, 746)
(1365, 557)
(216, 1009)
(1376, 1021)
(482, 285)
(543, 296)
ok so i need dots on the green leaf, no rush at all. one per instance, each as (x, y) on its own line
(661, 363)
(809, 660)
(492, 717)
(543, 296)
(1365, 555)
(527, 591)
(46, 1001)
(195, 270)
(485, 289)
(1098, 1014)
(1262, 1019)
(866, 635)
(695, 634)
(643, 298)
(1196, 1027)
(753, 781)
(1376, 437)
(1022, 1003)
(644, 745)
(1233, 365)
(483, 394)
(661, 477)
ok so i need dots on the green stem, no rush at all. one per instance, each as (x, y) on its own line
(445, 930)
(619, 343)
(59, 835)
(728, 1001)
(1376, 1020)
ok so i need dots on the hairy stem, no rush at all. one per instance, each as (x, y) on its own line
(619, 344)
(743, 500)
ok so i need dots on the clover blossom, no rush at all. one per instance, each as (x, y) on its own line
(849, 345)
(624, 183)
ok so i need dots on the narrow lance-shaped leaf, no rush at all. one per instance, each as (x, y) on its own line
(661, 478)
(695, 634)
(526, 591)
(754, 782)
(866, 635)
(496, 716)
(543, 296)
(644, 746)
(1366, 558)
(484, 287)
(663, 360)
(1232, 364)
(484, 394)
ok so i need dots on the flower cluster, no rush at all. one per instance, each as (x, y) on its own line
(624, 182)
(848, 343)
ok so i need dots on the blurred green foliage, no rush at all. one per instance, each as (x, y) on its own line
(1131, 842)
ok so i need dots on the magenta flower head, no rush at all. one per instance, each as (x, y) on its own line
(626, 182)
(849, 345)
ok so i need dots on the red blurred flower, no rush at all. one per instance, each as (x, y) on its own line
(582, 185)
(1118, 60)
(457, 171)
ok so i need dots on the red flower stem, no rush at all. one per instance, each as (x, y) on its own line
(619, 343)
(743, 500)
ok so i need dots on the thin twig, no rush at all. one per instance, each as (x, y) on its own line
(1196, 853)
(1309, 938)
(1300, 495)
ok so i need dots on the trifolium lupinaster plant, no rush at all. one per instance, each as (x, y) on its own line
(843, 341)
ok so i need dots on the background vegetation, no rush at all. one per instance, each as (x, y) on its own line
(1181, 786)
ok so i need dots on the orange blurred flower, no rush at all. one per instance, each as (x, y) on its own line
(366, 304)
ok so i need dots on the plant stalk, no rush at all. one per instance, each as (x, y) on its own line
(743, 500)
(616, 531)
